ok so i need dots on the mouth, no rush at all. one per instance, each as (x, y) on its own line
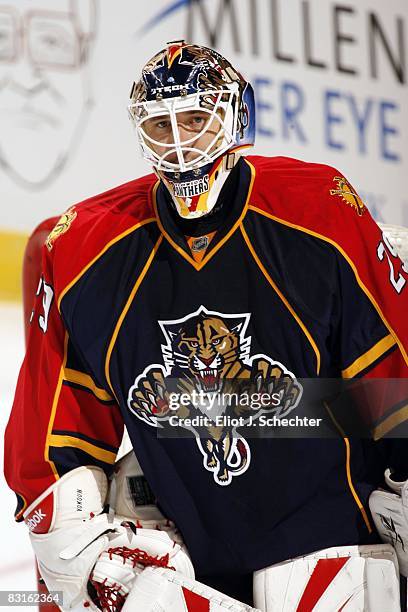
(188, 156)
(209, 380)
(31, 117)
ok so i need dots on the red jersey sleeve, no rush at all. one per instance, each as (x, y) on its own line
(61, 417)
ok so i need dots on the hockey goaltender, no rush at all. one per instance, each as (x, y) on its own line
(216, 267)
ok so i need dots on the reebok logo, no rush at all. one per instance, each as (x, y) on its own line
(35, 519)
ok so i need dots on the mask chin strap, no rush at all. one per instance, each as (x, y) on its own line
(217, 176)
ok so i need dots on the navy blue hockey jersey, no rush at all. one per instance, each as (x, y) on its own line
(297, 282)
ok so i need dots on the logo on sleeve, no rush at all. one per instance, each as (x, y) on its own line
(348, 196)
(63, 225)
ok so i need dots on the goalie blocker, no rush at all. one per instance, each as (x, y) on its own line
(91, 557)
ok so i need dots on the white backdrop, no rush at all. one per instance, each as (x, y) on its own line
(330, 82)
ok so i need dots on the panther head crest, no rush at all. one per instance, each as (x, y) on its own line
(206, 347)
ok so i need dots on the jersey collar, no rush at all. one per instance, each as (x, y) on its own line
(234, 201)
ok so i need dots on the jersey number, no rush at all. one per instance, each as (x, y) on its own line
(385, 248)
(47, 299)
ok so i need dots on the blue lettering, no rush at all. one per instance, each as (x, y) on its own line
(293, 103)
(332, 119)
(361, 120)
(262, 106)
(386, 131)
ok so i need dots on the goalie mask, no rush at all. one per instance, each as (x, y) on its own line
(193, 113)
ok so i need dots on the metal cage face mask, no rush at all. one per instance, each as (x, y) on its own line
(184, 133)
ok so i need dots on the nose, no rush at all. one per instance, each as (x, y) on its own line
(184, 132)
(24, 77)
(207, 362)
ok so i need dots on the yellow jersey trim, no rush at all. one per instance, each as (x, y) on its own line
(90, 449)
(282, 297)
(390, 422)
(54, 409)
(105, 248)
(20, 513)
(348, 471)
(84, 380)
(126, 308)
(353, 267)
(369, 357)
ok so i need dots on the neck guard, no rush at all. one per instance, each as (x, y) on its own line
(195, 193)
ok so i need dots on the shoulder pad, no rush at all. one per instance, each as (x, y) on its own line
(87, 228)
(314, 197)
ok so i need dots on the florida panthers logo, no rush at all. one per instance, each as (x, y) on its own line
(63, 225)
(207, 354)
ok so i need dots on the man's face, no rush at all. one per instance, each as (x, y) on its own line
(197, 130)
(43, 88)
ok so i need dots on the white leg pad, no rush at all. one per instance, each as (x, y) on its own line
(347, 578)
(162, 590)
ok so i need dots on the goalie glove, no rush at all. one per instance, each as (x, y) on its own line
(119, 566)
(70, 534)
(389, 510)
